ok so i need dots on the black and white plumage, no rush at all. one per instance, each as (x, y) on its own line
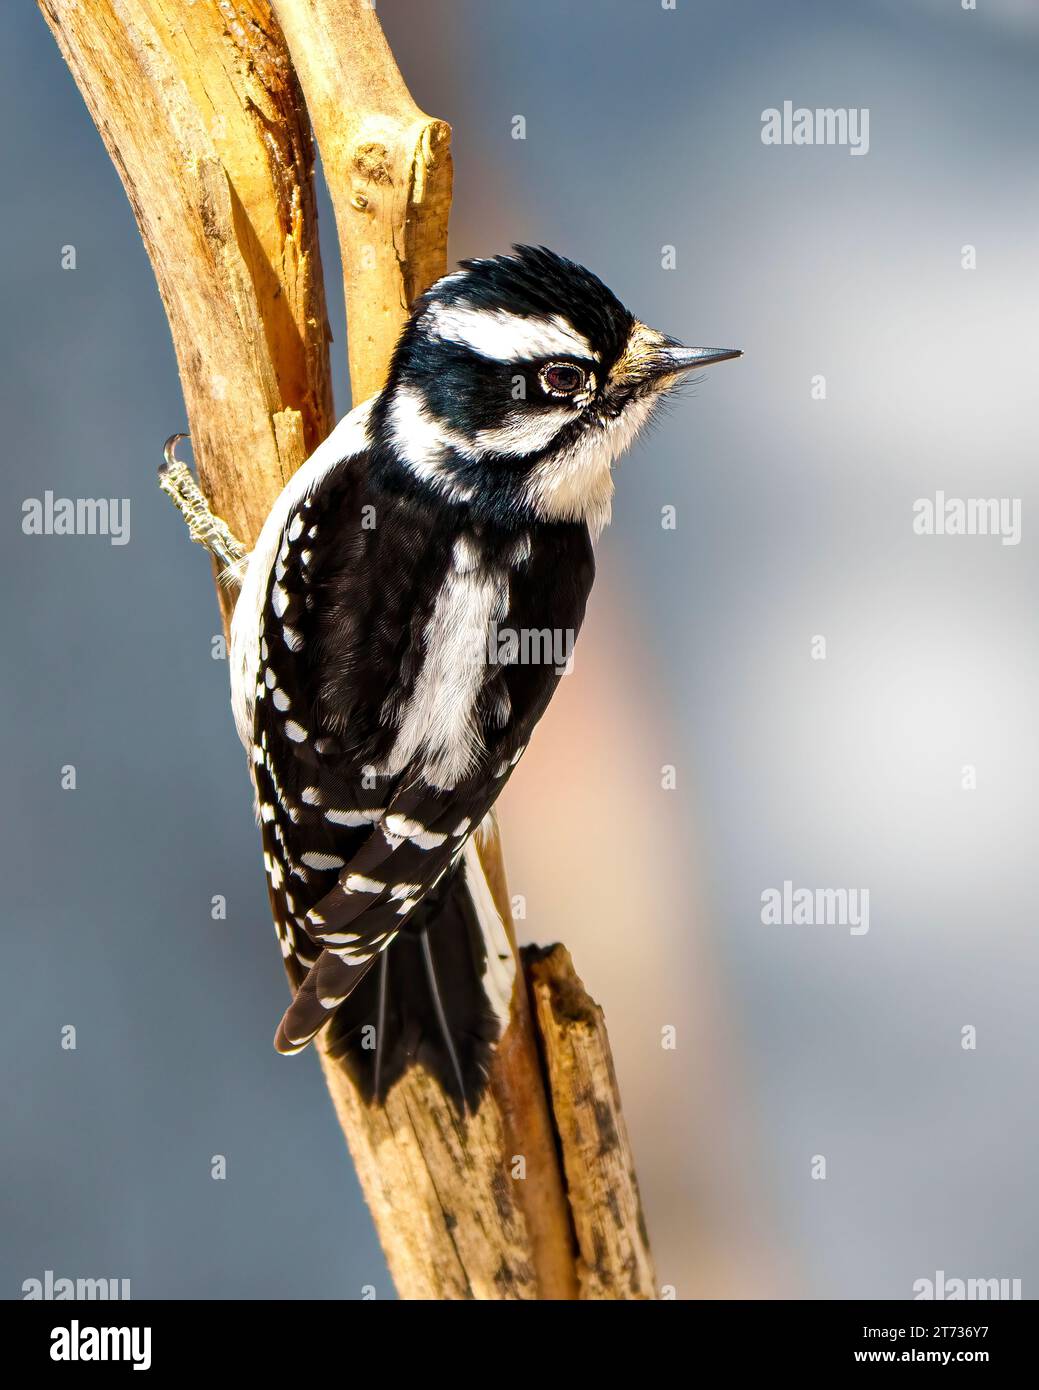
(381, 722)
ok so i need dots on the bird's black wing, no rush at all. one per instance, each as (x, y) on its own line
(419, 838)
(351, 851)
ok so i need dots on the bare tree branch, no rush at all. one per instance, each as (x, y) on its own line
(388, 169)
(614, 1259)
(202, 113)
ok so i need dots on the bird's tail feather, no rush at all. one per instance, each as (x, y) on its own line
(439, 997)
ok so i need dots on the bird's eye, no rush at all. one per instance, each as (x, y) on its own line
(562, 379)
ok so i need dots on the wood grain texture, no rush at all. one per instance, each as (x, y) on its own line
(201, 112)
(614, 1261)
(388, 168)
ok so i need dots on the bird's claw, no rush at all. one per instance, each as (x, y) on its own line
(205, 528)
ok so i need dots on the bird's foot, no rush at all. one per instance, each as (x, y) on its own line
(204, 527)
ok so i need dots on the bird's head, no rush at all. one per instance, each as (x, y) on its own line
(516, 383)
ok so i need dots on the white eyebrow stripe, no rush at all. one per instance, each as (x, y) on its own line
(506, 337)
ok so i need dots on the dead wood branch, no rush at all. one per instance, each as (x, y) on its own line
(204, 117)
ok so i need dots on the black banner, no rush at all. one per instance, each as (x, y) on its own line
(272, 1339)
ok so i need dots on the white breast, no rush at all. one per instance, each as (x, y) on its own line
(439, 722)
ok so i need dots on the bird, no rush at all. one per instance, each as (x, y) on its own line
(381, 710)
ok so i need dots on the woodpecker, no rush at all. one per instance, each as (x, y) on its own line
(381, 722)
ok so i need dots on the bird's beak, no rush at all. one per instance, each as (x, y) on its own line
(653, 359)
(672, 358)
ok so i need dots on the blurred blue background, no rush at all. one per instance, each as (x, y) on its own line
(794, 521)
